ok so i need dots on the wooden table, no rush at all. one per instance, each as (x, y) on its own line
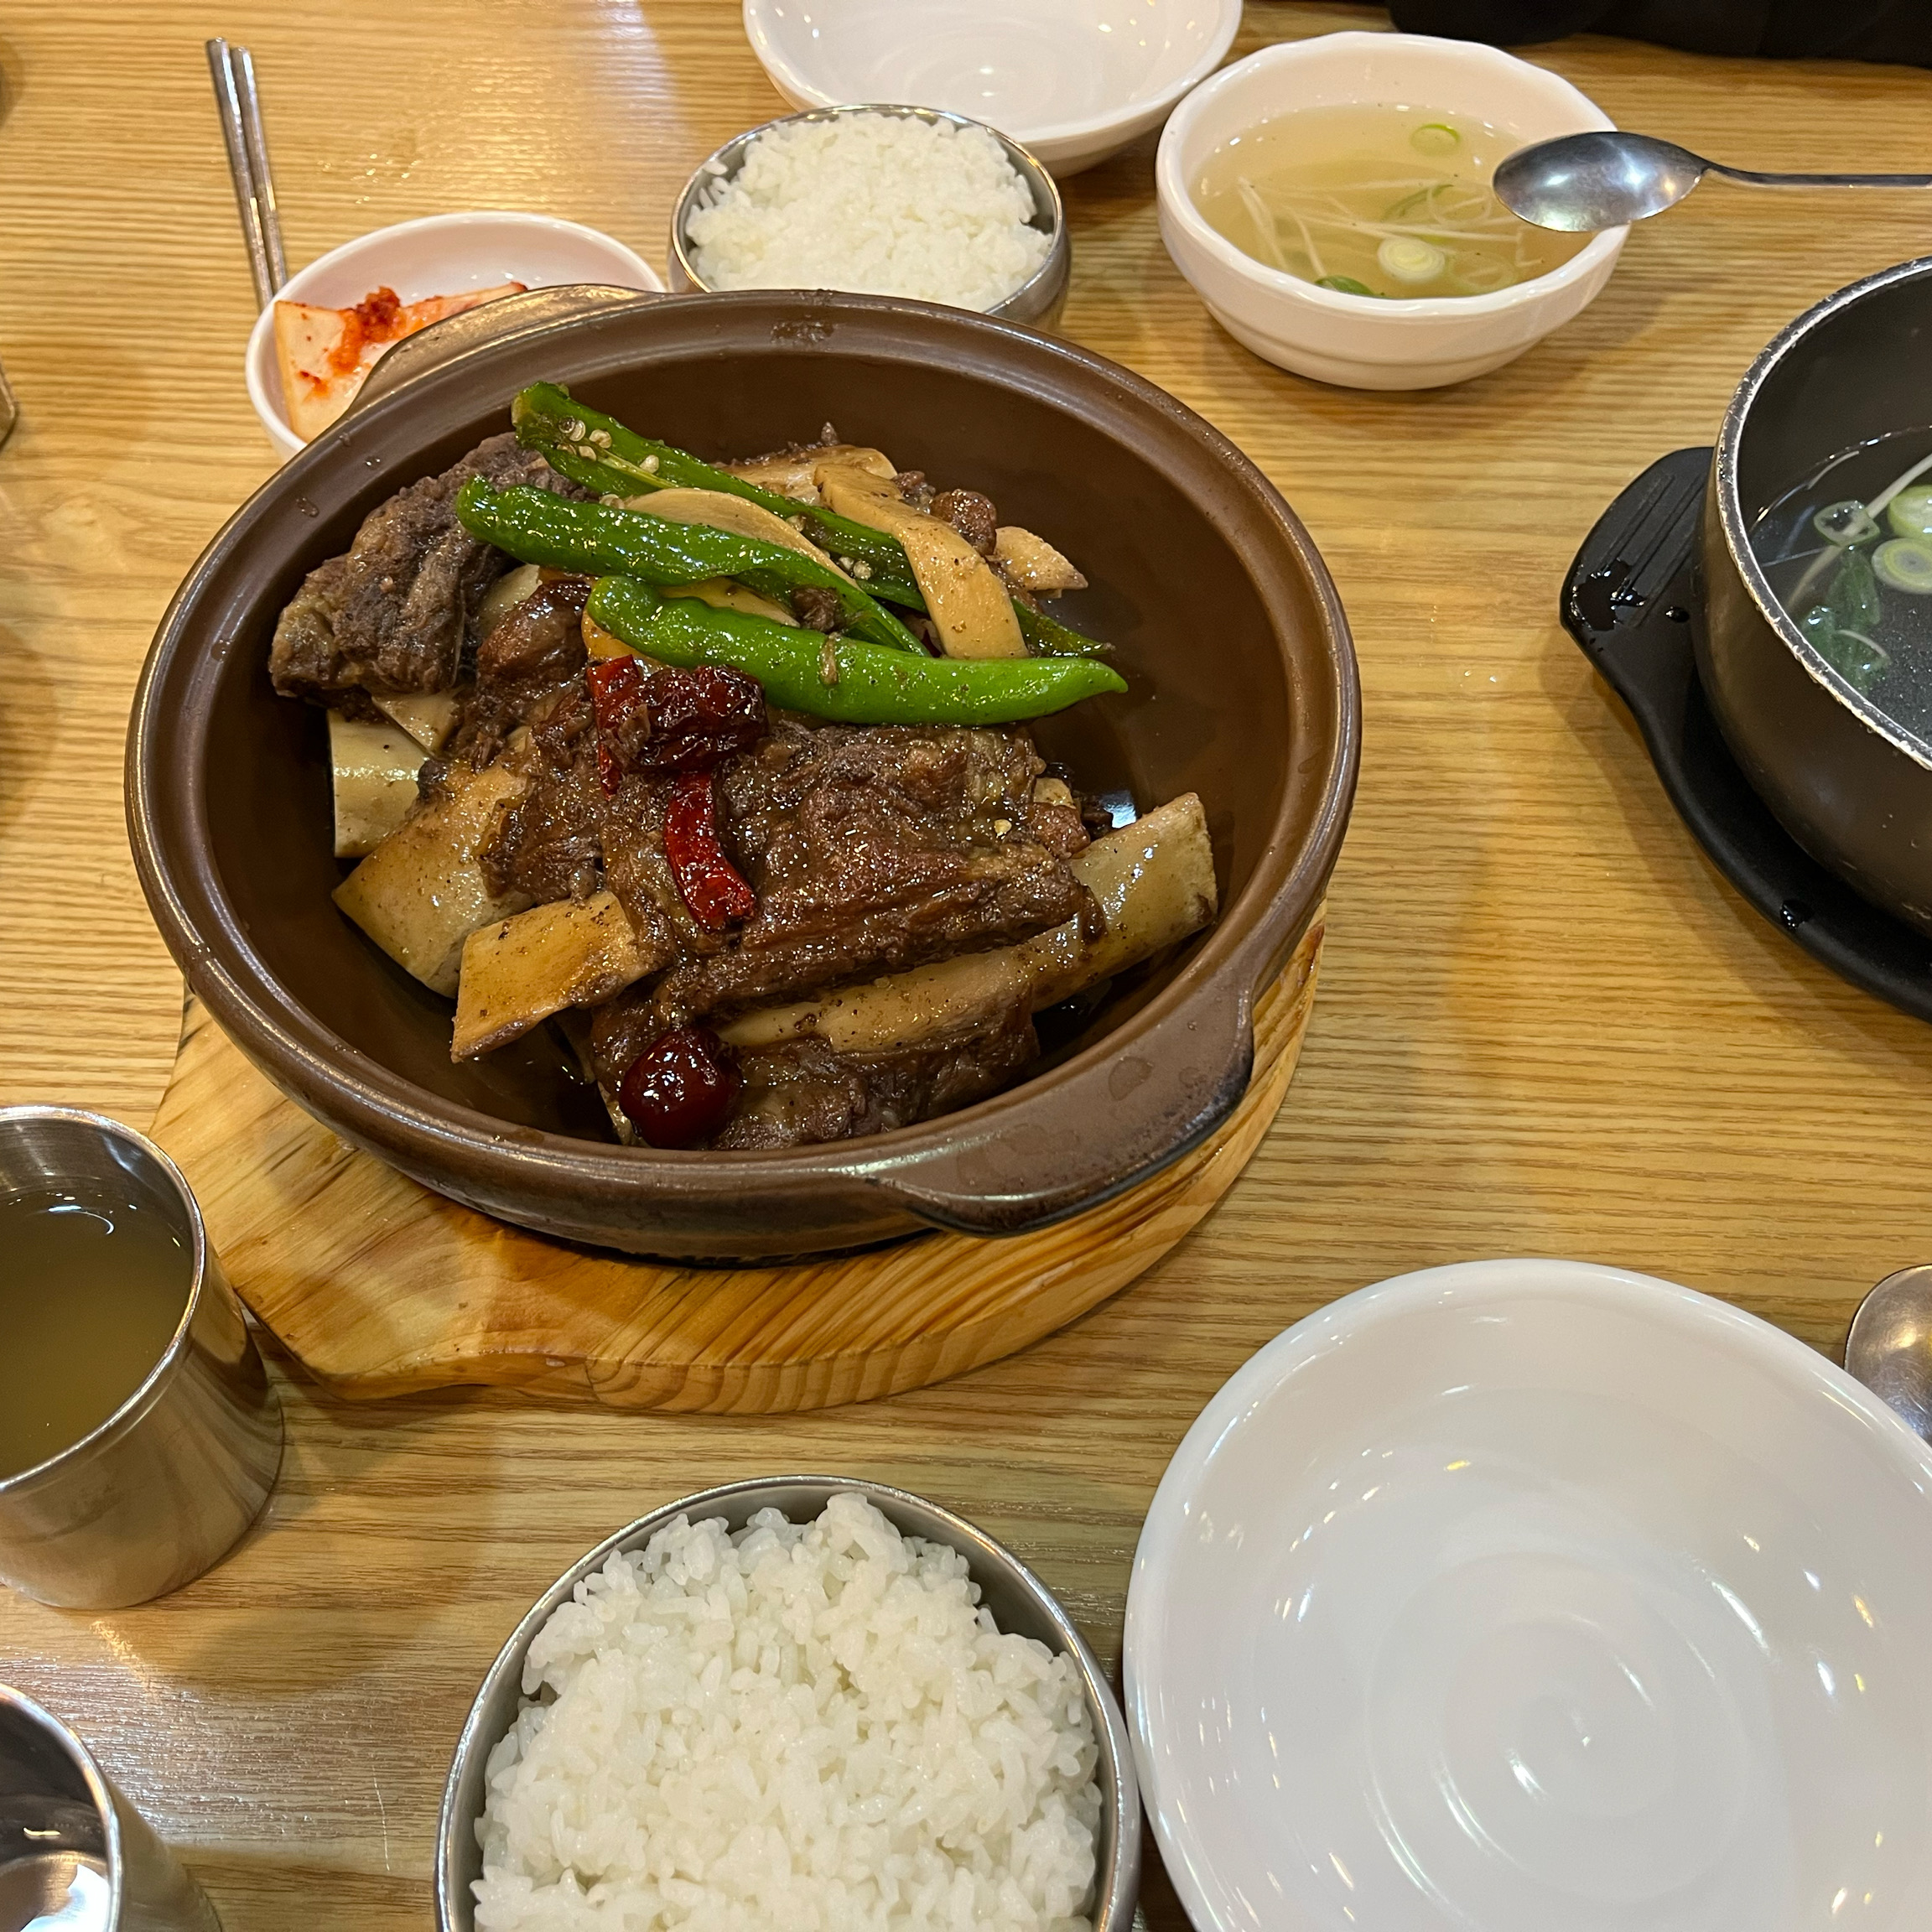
(1546, 1026)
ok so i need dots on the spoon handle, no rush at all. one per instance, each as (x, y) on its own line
(1756, 180)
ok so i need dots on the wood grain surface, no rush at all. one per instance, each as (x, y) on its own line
(379, 1288)
(1546, 1025)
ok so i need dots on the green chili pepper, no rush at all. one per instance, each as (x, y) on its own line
(600, 453)
(536, 527)
(1047, 637)
(840, 678)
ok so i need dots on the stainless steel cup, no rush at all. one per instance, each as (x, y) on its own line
(165, 1487)
(73, 1852)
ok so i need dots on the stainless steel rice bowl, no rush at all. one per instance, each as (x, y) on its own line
(1038, 300)
(1020, 1603)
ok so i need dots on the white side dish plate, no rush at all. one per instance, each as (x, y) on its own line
(1538, 1597)
(439, 255)
(1072, 81)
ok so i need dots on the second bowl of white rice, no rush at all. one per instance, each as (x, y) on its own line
(878, 200)
(798, 1701)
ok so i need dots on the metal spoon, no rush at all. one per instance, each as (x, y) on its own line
(1583, 183)
(1889, 1348)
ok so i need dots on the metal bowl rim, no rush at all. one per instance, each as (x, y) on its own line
(1731, 507)
(100, 1792)
(147, 1392)
(1116, 1887)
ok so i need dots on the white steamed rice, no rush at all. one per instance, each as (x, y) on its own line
(879, 204)
(789, 1728)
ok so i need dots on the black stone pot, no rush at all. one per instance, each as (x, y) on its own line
(1852, 785)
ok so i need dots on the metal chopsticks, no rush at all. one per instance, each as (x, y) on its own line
(241, 112)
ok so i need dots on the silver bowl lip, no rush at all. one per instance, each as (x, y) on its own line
(1117, 1886)
(148, 1391)
(1731, 507)
(100, 1792)
(1034, 296)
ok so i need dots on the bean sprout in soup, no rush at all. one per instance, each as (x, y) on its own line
(1382, 201)
(1847, 551)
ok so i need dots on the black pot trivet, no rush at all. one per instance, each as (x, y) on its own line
(1628, 602)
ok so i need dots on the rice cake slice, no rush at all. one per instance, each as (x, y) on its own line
(374, 768)
(571, 952)
(422, 892)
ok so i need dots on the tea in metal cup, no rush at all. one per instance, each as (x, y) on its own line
(166, 1486)
(74, 1853)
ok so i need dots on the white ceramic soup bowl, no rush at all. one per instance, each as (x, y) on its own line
(1072, 81)
(1361, 341)
(1538, 1597)
(439, 255)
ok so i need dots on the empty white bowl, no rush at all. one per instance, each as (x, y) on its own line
(1541, 1598)
(1358, 340)
(439, 255)
(1072, 81)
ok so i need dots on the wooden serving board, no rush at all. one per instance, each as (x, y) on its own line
(380, 1287)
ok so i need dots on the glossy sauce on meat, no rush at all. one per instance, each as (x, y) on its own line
(394, 614)
(758, 858)
(873, 849)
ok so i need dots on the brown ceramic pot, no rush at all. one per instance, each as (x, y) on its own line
(1244, 689)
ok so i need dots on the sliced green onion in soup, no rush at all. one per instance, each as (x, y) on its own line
(1905, 563)
(1406, 258)
(1847, 522)
(1435, 137)
(1909, 513)
(1348, 285)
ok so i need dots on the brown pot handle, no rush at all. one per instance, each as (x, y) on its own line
(1152, 1100)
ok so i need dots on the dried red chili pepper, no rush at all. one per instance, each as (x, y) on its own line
(678, 1091)
(709, 883)
(700, 716)
(671, 719)
(617, 702)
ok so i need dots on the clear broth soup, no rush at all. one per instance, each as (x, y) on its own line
(92, 1291)
(1847, 551)
(1392, 201)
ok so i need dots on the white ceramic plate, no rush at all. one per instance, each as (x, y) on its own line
(1070, 81)
(439, 255)
(1536, 1597)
